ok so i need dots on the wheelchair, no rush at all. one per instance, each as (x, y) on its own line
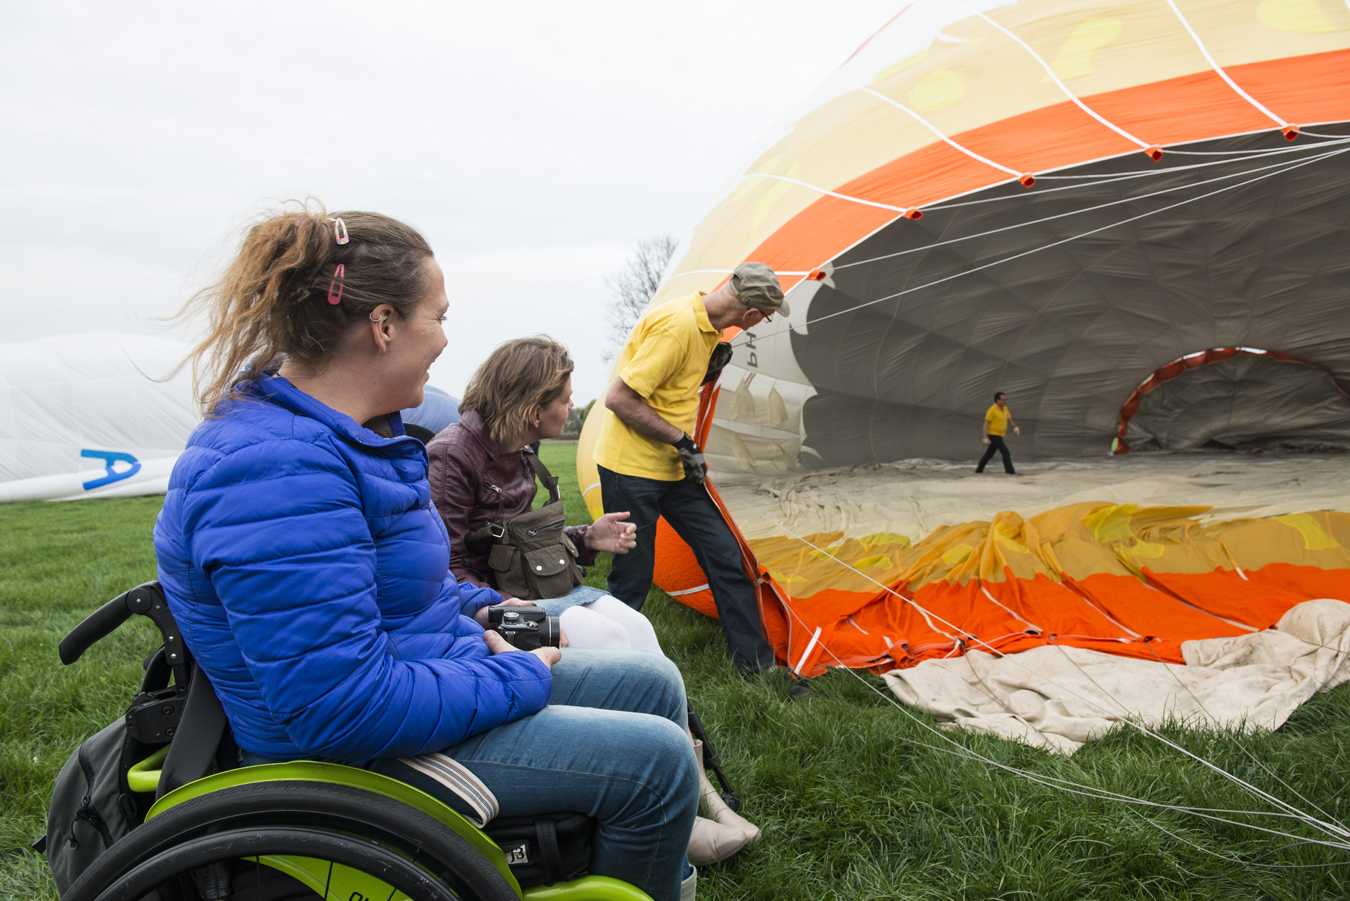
(294, 831)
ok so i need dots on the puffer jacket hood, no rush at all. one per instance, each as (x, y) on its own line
(309, 573)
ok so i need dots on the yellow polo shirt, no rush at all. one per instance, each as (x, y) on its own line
(998, 419)
(664, 361)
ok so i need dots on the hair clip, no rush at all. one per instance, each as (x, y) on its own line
(338, 275)
(340, 231)
(302, 296)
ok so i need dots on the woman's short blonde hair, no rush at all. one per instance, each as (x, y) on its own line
(515, 378)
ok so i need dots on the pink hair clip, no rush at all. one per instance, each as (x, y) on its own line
(340, 231)
(338, 275)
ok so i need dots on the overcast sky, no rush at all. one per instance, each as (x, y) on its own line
(534, 144)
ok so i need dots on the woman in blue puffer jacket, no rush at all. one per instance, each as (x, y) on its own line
(309, 573)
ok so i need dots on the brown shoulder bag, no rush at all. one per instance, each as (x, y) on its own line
(531, 556)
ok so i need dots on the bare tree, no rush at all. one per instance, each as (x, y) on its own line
(634, 286)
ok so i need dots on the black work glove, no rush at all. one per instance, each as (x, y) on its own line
(721, 356)
(691, 455)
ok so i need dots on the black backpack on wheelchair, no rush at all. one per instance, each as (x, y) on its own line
(156, 806)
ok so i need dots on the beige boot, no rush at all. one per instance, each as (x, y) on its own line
(689, 887)
(718, 809)
(711, 841)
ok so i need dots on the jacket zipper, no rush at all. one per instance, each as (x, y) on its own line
(501, 497)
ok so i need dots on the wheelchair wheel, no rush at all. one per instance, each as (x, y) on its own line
(300, 840)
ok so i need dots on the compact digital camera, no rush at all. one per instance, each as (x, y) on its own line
(525, 628)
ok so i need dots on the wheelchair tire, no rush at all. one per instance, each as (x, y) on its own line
(410, 850)
(233, 844)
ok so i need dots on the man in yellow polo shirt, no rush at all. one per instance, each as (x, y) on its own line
(996, 421)
(650, 467)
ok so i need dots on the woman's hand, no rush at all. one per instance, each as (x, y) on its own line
(550, 656)
(498, 645)
(610, 533)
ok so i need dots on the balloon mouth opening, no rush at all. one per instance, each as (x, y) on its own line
(1290, 132)
(1027, 180)
(816, 275)
(1154, 153)
(914, 214)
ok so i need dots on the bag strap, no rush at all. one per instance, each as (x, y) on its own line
(487, 533)
(547, 833)
(549, 479)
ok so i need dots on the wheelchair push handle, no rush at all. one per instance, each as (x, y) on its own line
(147, 600)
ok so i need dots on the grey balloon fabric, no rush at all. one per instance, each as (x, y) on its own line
(1069, 294)
(1245, 401)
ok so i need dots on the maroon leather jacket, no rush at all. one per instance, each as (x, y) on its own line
(472, 484)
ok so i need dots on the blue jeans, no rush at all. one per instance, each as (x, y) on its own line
(611, 745)
(582, 594)
(695, 518)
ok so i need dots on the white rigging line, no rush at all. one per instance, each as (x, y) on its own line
(902, 210)
(1285, 125)
(1243, 748)
(1082, 181)
(1327, 140)
(1335, 830)
(931, 127)
(1282, 165)
(1077, 788)
(1050, 72)
(1062, 241)
(1088, 791)
(1229, 157)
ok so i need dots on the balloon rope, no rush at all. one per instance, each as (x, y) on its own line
(819, 190)
(1070, 786)
(934, 129)
(1219, 70)
(1281, 165)
(1243, 748)
(1279, 171)
(1050, 72)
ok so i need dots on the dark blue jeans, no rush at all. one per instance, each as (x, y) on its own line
(996, 444)
(695, 518)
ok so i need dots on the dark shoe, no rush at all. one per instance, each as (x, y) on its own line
(779, 676)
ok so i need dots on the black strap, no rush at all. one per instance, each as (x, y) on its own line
(547, 833)
(199, 734)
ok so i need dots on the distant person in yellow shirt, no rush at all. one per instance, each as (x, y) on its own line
(650, 466)
(996, 421)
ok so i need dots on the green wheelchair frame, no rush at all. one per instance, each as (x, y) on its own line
(341, 832)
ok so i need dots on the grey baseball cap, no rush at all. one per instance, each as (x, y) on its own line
(757, 286)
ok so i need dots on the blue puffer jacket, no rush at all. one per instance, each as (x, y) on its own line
(309, 573)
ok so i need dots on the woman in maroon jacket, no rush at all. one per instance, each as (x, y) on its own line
(481, 473)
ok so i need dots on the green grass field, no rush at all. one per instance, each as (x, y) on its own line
(856, 799)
